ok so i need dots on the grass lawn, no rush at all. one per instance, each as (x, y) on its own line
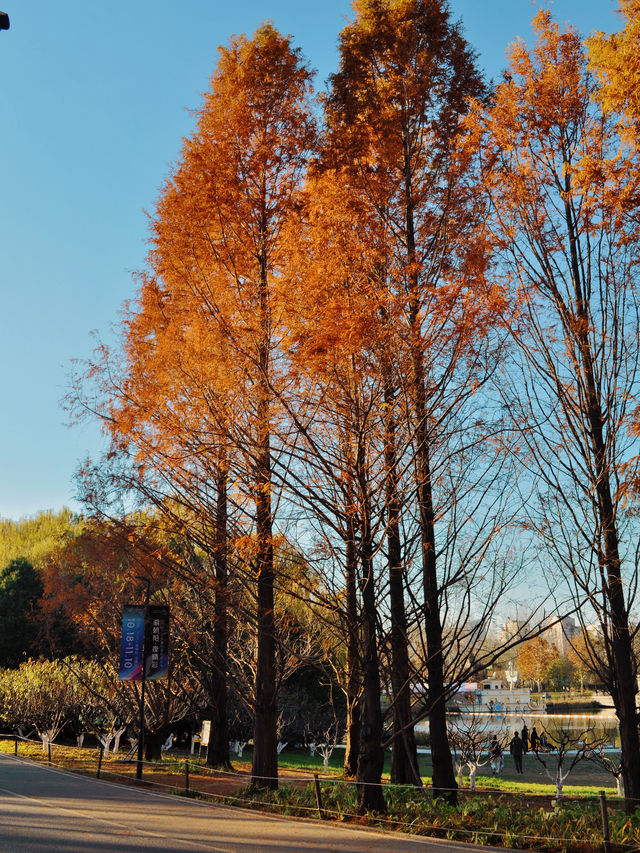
(585, 779)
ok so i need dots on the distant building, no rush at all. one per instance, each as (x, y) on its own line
(560, 633)
(511, 629)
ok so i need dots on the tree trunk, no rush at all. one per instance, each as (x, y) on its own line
(353, 724)
(625, 681)
(404, 755)
(444, 780)
(218, 749)
(264, 770)
(472, 777)
(371, 754)
(153, 745)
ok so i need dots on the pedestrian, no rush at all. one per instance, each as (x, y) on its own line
(495, 754)
(525, 738)
(516, 749)
(534, 740)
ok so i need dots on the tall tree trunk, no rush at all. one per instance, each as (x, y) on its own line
(444, 779)
(404, 755)
(371, 754)
(218, 749)
(625, 681)
(264, 770)
(353, 656)
(153, 745)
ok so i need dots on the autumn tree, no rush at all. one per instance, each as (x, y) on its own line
(566, 254)
(89, 580)
(392, 111)
(588, 655)
(34, 537)
(232, 192)
(614, 60)
(335, 471)
(195, 418)
(534, 658)
(41, 695)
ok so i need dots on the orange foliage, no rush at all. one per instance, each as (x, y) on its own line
(198, 343)
(394, 134)
(616, 62)
(534, 658)
(544, 139)
(89, 578)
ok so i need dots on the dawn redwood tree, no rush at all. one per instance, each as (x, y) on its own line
(336, 345)
(166, 402)
(345, 349)
(392, 112)
(218, 237)
(181, 481)
(569, 256)
(189, 402)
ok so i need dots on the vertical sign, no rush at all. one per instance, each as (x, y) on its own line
(130, 668)
(157, 642)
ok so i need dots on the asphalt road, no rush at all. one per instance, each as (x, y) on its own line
(45, 810)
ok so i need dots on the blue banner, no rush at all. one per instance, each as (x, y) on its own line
(131, 645)
(157, 642)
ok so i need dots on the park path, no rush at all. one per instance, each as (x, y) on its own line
(47, 810)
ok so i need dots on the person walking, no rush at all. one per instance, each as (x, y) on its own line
(495, 754)
(516, 748)
(534, 740)
(525, 738)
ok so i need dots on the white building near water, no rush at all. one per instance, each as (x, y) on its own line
(492, 696)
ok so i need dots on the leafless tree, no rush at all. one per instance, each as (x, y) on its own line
(567, 747)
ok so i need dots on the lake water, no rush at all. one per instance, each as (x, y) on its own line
(602, 722)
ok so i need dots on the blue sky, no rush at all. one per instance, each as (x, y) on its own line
(94, 102)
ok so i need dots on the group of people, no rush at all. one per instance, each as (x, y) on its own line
(521, 743)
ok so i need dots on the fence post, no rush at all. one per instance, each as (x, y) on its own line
(316, 782)
(100, 760)
(49, 751)
(186, 776)
(605, 822)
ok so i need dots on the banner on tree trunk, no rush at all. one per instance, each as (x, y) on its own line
(157, 642)
(130, 668)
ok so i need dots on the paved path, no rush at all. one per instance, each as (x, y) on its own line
(45, 810)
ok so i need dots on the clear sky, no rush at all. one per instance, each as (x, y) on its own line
(94, 102)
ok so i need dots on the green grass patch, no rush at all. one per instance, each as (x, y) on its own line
(539, 788)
